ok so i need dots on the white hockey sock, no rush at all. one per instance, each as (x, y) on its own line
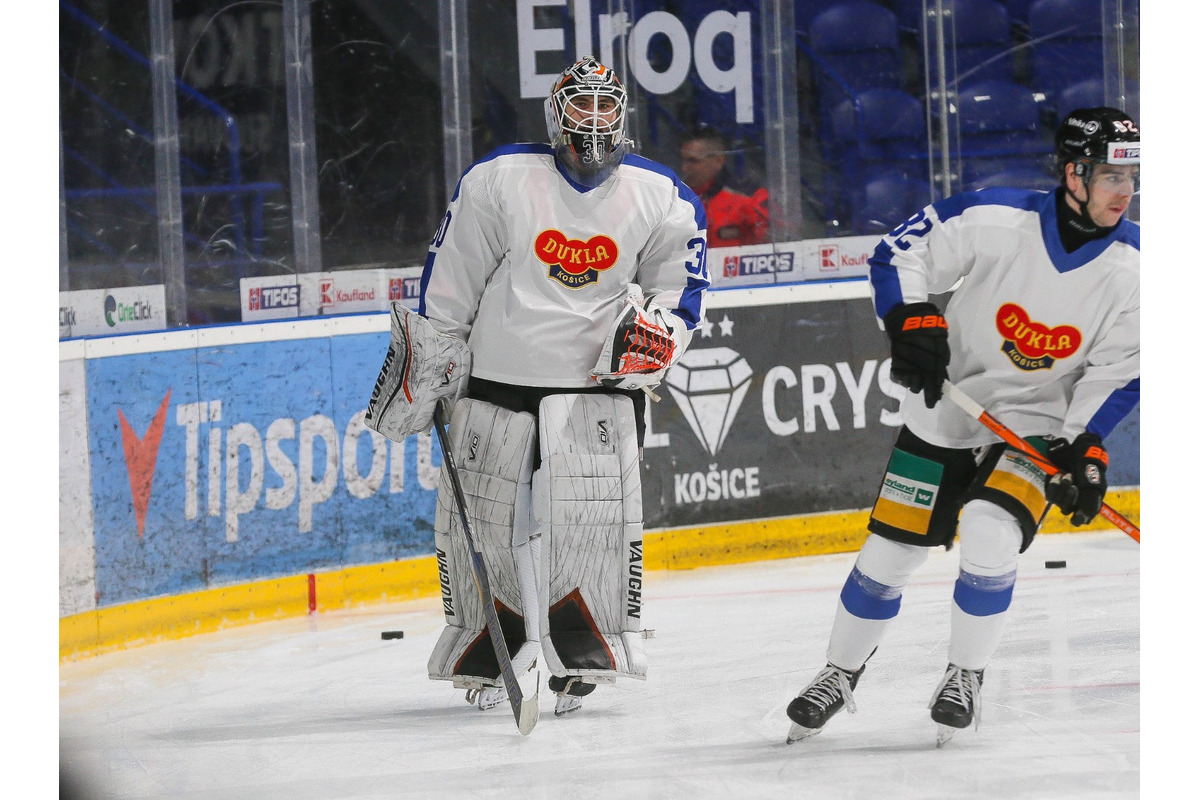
(990, 539)
(870, 599)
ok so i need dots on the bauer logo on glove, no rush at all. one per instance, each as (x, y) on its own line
(1079, 489)
(643, 343)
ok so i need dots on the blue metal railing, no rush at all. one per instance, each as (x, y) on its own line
(235, 189)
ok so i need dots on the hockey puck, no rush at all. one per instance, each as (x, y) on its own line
(393, 634)
(1055, 564)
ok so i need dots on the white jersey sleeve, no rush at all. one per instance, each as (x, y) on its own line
(469, 245)
(1046, 340)
(532, 268)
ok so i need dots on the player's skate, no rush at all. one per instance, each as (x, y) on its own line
(830, 690)
(956, 701)
(487, 696)
(569, 693)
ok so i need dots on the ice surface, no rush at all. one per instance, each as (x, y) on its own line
(323, 707)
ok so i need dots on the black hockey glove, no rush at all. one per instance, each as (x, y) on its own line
(1079, 489)
(920, 348)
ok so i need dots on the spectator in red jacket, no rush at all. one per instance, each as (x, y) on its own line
(734, 218)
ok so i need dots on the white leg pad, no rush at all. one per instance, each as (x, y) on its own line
(588, 497)
(493, 448)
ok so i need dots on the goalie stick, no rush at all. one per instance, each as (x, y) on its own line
(525, 709)
(960, 399)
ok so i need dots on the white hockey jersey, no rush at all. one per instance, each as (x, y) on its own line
(1047, 341)
(532, 268)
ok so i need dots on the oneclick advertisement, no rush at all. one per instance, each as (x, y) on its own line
(109, 312)
(219, 464)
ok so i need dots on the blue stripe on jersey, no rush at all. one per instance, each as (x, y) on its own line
(886, 282)
(688, 308)
(983, 596)
(1115, 408)
(884, 279)
(869, 599)
(426, 272)
(1125, 232)
(685, 192)
(1024, 199)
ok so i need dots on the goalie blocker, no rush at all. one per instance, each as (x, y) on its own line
(562, 542)
(421, 367)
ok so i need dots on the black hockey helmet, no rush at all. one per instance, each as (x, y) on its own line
(588, 140)
(1101, 135)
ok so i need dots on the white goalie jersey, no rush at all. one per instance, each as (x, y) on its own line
(532, 269)
(1047, 341)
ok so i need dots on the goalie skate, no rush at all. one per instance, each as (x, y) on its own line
(569, 694)
(487, 697)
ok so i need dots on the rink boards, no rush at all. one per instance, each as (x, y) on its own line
(215, 476)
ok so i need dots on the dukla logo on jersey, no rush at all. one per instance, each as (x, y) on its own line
(575, 263)
(1034, 345)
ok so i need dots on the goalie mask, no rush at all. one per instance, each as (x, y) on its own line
(585, 119)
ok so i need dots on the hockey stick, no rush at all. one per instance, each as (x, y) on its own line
(997, 427)
(525, 709)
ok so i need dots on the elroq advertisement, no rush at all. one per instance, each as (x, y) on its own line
(222, 464)
(773, 410)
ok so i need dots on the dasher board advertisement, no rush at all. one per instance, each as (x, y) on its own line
(328, 293)
(772, 410)
(110, 312)
(791, 262)
(222, 464)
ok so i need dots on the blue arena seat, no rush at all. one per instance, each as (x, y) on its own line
(857, 44)
(1033, 176)
(887, 200)
(1066, 44)
(999, 128)
(878, 131)
(1090, 93)
(982, 40)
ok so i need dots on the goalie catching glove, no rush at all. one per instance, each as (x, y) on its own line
(643, 343)
(1079, 489)
(422, 366)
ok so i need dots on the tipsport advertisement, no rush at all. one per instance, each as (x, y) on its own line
(773, 410)
(224, 464)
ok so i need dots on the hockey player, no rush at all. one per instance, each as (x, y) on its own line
(1043, 332)
(575, 273)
